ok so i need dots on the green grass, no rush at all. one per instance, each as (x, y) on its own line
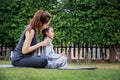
(105, 71)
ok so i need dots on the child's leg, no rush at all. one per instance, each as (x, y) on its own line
(61, 62)
(50, 64)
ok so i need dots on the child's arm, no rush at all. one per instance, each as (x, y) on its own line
(50, 53)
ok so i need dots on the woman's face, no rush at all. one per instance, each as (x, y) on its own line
(45, 25)
(50, 33)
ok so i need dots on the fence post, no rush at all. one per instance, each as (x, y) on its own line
(83, 50)
(78, 53)
(1, 50)
(91, 49)
(69, 53)
(96, 51)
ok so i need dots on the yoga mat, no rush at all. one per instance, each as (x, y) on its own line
(6, 66)
(79, 68)
(67, 68)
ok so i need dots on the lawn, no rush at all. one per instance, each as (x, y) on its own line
(105, 71)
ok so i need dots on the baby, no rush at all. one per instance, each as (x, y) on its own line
(54, 60)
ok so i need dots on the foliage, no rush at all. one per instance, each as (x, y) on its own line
(74, 21)
(15, 17)
(92, 21)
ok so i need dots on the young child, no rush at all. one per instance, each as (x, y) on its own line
(54, 60)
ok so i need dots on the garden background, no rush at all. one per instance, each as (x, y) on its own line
(91, 22)
(75, 22)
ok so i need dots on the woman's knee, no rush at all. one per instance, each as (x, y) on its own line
(44, 62)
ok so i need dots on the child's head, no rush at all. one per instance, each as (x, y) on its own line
(48, 32)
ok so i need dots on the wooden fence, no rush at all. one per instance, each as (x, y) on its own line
(85, 52)
(75, 52)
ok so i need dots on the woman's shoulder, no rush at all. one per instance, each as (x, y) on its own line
(30, 33)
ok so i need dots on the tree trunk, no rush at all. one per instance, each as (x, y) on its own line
(112, 57)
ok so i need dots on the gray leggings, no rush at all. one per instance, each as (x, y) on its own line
(58, 63)
(34, 61)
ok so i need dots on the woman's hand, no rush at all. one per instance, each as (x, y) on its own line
(45, 43)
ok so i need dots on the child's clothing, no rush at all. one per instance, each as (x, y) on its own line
(54, 60)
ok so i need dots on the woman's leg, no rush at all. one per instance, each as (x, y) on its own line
(36, 62)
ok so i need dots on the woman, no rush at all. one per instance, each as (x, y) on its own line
(28, 43)
(54, 60)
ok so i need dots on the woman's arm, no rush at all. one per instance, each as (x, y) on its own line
(28, 39)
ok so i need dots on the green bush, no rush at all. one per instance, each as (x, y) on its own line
(74, 21)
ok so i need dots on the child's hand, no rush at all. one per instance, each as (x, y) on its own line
(64, 53)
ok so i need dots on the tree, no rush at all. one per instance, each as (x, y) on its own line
(15, 17)
(74, 21)
(95, 22)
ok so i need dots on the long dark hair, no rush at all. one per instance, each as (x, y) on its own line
(41, 17)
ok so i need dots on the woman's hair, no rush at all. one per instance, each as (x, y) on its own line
(41, 17)
(44, 31)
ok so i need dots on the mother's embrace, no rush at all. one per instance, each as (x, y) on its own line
(28, 43)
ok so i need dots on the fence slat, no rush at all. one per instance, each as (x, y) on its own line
(76, 51)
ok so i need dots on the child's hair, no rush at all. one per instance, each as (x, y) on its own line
(44, 31)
